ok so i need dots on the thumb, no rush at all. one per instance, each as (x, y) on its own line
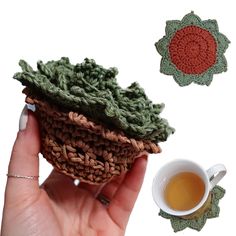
(24, 158)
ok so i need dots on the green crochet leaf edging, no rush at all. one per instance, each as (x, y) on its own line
(169, 68)
(179, 224)
(93, 90)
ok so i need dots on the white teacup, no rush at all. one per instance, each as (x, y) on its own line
(210, 178)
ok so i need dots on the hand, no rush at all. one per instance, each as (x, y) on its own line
(58, 207)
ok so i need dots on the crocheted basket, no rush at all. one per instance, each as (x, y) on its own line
(91, 128)
(83, 149)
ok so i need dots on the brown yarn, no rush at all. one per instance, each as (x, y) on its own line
(81, 148)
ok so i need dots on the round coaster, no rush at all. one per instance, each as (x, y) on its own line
(198, 219)
(192, 50)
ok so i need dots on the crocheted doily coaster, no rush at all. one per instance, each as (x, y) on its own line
(192, 50)
(197, 220)
(91, 129)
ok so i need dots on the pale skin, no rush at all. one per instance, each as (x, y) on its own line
(58, 207)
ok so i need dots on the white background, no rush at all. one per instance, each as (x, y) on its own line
(122, 34)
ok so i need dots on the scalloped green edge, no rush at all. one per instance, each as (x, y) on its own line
(170, 69)
(179, 224)
(93, 90)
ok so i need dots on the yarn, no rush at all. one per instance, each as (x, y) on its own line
(192, 50)
(82, 149)
(92, 90)
(199, 221)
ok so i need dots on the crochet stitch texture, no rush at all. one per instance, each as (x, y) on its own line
(93, 90)
(179, 224)
(192, 50)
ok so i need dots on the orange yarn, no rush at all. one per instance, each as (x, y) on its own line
(193, 50)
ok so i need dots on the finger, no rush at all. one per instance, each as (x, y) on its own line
(24, 159)
(126, 195)
(109, 190)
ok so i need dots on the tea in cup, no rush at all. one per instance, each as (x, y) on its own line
(181, 187)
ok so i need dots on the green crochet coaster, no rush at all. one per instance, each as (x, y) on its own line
(179, 224)
(192, 50)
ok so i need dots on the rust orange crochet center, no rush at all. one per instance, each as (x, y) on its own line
(193, 50)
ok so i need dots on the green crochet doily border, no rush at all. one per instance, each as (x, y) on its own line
(93, 90)
(179, 224)
(168, 68)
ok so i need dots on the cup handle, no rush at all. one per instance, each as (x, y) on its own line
(215, 174)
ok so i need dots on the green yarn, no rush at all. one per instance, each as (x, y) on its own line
(93, 90)
(179, 224)
(169, 68)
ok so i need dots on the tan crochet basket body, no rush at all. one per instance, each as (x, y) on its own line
(82, 149)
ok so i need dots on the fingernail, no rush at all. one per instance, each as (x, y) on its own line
(23, 118)
(31, 107)
(143, 154)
